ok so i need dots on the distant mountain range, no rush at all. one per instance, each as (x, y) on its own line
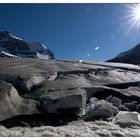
(131, 56)
(11, 46)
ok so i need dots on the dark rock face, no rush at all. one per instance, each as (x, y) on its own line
(131, 56)
(70, 87)
(11, 46)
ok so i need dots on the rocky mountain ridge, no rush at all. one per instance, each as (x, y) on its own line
(131, 56)
(11, 46)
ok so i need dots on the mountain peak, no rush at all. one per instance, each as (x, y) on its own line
(5, 34)
(131, 56)
(13, 46)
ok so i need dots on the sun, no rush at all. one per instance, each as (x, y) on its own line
(136, 13)
(131, 17)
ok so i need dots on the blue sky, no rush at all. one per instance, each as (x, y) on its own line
(73, 31)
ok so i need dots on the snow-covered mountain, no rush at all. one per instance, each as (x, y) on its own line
(11, 46)
(131, 56)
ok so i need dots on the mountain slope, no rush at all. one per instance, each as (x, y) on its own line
(11, 46)
(131, 56)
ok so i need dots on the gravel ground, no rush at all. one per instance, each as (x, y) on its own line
(73, 129)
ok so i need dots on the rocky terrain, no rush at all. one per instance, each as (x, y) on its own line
(11, 46)
(73, 129)
(131, 56)
(68, 98)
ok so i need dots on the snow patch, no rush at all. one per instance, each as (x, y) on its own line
(42, 56)
(16, 37)
(44, 46)
(7, 54)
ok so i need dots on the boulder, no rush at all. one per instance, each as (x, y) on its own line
(127, 119)
(70, 101)
(100, 109)
(108, 99)
(115, 102)
(123, 108)
(130, 105)
(11, 104)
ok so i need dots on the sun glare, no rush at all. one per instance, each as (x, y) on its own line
(132, 17)
(136, 13)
